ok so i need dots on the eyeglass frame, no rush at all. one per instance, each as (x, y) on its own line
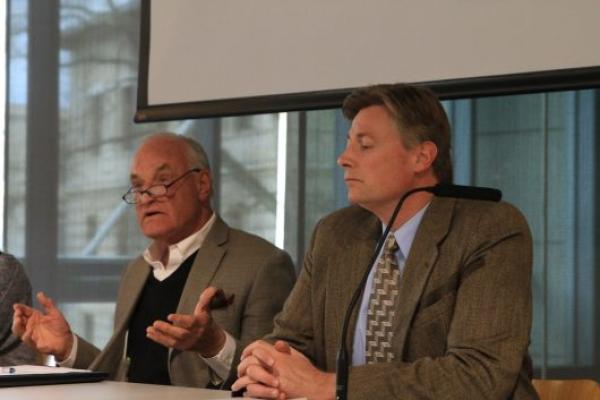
(137, 194)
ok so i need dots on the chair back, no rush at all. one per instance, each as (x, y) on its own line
(569, 389)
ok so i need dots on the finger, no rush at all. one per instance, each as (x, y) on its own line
(47, 303)
(241, 383)
(245, 363)
(168, 329)
(160, 337)
(19, 321)
(27, 334)
(261, 391)
(256, 390)
(22, 310)
(18, 326)
(181, 320)
(283, 347)
(252, 346)
(261, 375)
(265, 355)
(204, 300)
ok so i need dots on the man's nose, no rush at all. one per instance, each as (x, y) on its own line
(144, 197)
(344, 160)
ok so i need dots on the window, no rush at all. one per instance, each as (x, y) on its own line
(70, 139)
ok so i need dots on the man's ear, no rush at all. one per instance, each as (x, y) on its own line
(203, 183)
(426, 153)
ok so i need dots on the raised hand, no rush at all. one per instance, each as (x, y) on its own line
(195, 332)
(279, 372)
(48, 332)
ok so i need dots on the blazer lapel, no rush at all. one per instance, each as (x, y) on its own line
(203, 270)
(132, 288)
(133, 283)
(355, 255)
(423, 255)
(205, 266)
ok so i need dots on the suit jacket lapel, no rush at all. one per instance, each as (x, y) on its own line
(355, 255)
(132, 288)
(423, 255)
(133, 283)
(207, 261)
(205, 266)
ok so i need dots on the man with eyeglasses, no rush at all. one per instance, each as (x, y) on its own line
(168, 327)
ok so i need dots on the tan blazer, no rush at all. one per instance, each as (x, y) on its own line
(464, 318)
(256, 272)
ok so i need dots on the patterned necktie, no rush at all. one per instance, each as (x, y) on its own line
(382, 305)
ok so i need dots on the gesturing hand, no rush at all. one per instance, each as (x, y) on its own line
(195, 332)
(48, 332)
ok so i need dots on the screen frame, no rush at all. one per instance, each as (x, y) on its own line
(498, 85)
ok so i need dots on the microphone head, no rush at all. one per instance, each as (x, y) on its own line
(467, 192)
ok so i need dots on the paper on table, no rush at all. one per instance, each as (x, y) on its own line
(37, 369)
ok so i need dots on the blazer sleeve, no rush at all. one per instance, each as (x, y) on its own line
(86, 353)
(269, 291)
(295, 322)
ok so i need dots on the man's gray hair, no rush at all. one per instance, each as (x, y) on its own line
(195, 154)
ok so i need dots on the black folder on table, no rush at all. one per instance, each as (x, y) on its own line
(18, 379)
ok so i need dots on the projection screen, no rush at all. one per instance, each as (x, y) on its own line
(201, 58)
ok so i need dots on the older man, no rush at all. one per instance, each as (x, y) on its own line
(446, 311)
(165, 331)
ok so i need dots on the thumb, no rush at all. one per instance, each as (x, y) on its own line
(283, 347)
(47, 303)
(203, 305)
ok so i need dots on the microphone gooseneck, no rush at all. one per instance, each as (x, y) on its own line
(441, 190)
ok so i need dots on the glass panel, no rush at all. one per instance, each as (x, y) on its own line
(325, 188)
(98, 69)
(248, 175)
(538, 148)
(98, 77)
(16, 125)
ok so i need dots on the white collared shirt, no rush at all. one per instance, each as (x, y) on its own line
(178, 252)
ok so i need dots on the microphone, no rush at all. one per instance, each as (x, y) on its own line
(440, 190)
(466, 192)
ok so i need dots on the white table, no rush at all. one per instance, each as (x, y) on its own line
(109, 390)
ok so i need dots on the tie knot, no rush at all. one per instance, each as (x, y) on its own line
(390, 244)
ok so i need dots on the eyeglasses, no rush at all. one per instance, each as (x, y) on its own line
(134, 195)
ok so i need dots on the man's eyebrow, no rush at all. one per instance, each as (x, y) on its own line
(358, 135)
(161, 168)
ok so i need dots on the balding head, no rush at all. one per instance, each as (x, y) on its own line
(193, 151)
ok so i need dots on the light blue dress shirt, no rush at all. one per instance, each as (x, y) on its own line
(404, 237)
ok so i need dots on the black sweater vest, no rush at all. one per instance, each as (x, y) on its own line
(148, 359)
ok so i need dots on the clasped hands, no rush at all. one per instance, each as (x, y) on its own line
(280, 372)
(49, 332)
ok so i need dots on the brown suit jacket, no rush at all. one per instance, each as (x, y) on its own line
(464, 318)
(256, 272)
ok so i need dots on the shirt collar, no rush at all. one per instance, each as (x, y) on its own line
(405, 235)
